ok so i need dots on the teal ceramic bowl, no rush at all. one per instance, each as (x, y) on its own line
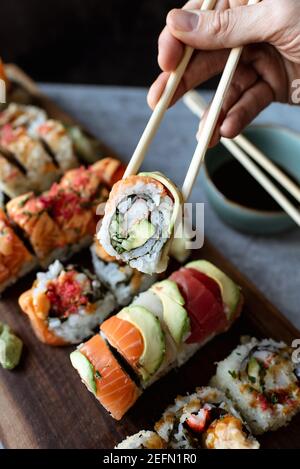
(283, 147)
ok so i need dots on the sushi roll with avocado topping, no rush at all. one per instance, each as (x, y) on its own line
(204, 420)
(145, 439)
(65, 305)
(139, 220)
(263, 381)
(165, 325)
(124, 281)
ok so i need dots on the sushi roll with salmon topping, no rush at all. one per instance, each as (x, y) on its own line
(110, 170)
(120, 278)
(263, 381)
(164, 326)
(13, 180)
(139, 220)
(206, 419)
(20, 115)
(65, 305)
(15, 259)
(40, 169)
(144, 439)
(28, 213)
(104, 377)
(57, 141)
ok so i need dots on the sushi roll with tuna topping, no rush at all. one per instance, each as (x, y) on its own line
(139, 220)
(164, 326)
(15, 259)
(263, 381)
(104, 377)
(40, 169)
(57, 141)
(204, 420)
(144, 439)
(20, 115)
(120, 278)
(65, 305)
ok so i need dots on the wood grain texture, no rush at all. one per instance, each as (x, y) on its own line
(44, 405)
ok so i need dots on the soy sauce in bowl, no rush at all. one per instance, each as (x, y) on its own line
(237, 185)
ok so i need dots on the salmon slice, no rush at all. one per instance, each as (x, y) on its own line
(29, 214)
(13, 253)
(39, 320)
(115, 390)
(109, 169)
(126, 338)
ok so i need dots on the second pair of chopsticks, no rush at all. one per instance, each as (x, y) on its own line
(210, 122)
(240, 147)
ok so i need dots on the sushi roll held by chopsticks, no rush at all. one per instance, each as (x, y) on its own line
(65, 305)
(139, 220)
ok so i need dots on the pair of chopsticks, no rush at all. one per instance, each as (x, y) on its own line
(210, 121)
(240, 147)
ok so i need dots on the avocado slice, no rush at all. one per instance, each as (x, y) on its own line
(139, 234)
(254, 372)
(175, 315)
(85, 370)
(176, 193)
(231, 292)
(153, 337)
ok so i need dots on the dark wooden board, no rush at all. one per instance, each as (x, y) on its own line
(44, 405)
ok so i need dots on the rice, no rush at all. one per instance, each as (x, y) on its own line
(267, 398)
(144, 439)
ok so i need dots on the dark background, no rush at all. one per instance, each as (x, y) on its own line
(84, 41)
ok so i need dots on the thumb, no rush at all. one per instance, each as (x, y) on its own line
(219, 29)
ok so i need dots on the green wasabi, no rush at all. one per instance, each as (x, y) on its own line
(10, 348)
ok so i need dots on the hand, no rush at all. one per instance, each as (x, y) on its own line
(270, 62)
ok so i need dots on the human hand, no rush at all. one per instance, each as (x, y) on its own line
(269, 64)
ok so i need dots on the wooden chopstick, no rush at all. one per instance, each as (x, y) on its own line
(197, 105)
(212, 118)
(161, 107)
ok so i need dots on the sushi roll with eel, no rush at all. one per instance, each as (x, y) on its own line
(263, 381)
(124, 281)
(139, 220)
(65, 305)
(206, 419)
(15, 259)
(164, 326)
(20, 115)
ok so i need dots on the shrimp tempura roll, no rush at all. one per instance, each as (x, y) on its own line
(139, 220)
(206, 419)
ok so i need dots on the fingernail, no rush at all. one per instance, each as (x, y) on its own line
(181, 20)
